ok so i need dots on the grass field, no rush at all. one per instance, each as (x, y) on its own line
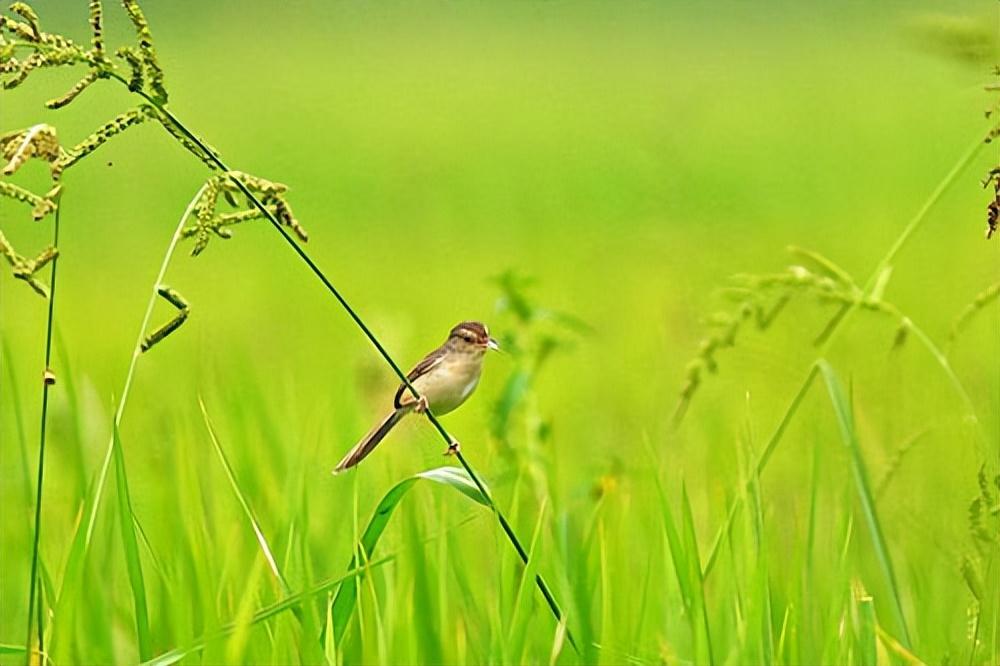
(620, 164)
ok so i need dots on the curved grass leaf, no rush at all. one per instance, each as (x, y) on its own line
(310, 651)
(522, 602)
(703, 638)
(130, 545)
(845, 417)
(242, 499)
(347, 595)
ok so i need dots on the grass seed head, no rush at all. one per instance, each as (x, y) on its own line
(24, 268)
(38, 141)
(73, 92)
(208, 220)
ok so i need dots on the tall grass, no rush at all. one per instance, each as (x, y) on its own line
(226, 518)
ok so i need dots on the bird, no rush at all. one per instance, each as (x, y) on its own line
(445, 379)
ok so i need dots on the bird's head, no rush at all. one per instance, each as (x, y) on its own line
(472, 334)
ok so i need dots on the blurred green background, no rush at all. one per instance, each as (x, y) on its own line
(630, 157)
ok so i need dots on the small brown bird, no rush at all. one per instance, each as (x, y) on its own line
(445, 379)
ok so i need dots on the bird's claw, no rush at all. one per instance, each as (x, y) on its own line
(453, 448)
(421, 405)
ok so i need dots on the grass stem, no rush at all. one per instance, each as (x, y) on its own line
(130, 375)
(48, 379)
(832, 330)
(252, 198)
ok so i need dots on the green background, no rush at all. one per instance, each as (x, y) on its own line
(631, 157)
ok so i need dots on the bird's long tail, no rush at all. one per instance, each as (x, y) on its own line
(370, 441)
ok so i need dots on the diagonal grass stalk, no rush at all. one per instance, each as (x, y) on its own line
(130, 375)
(265, 613)
(130, 546)
(48, 380)
(244, 503)
(836, 325)
(310, 651)
(252, 198)
(845, 418)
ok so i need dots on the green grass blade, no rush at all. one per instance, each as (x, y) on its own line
(690, 540)
(677, 554)
(266, 613)
(130, 544)
(310, 650)
(845, 418)
(456, 478)
(453, 477)
(522, 601)
(765, 456)
(865, 609)
(242, 499)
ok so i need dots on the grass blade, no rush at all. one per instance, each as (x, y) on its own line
(347, 595)
(845, 418)
(311, 651)
(522, 607)
(696, 581)
(864, 608)
(266, 613)
(677, 554)
(130, 544)
(242, 499)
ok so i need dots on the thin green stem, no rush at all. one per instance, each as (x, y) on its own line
(136, 352)
(921, 215)
(47, 380)
(834, 328)
(215, 159)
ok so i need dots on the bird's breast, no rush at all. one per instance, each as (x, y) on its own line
(450, 383)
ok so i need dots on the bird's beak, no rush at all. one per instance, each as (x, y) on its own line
(493, 344)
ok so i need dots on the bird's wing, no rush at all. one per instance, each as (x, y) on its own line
(403, 395)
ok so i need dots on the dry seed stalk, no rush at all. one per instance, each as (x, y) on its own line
(993, 177)
(209, 221)
(173, 297)
(982, 299)
(761, 298)
(146, 78)
(993, 208)
(19, 146)
(102, 135)
(38, 142)
(276, 210)
(147, 52)
(25, 269)
(73, 92)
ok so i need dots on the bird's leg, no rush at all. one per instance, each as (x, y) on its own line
(453, 448)
(421, 405)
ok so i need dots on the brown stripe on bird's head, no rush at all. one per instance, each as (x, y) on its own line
(471, 331)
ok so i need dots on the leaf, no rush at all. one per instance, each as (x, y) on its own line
(311, 650)
(347, 594)
(865, 609)
(522, 602)
(677, 553)
(845, 418)
(266, 613)
(824, 264)
(704, 637)
(244, 504)
(881, 282)
(131, 547)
